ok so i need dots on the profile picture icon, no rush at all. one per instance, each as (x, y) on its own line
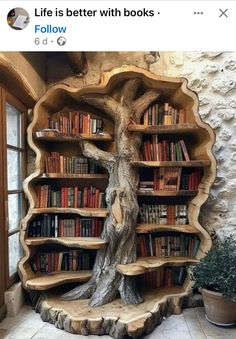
(18, 18)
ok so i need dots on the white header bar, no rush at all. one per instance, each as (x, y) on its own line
(119, 26)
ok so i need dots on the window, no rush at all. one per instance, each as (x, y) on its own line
(13, 157)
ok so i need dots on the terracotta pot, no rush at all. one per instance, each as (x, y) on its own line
(218, 310)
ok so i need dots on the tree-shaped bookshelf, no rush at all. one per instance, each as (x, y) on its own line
(121, 100)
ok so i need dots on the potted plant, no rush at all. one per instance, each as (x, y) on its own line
(215, 275)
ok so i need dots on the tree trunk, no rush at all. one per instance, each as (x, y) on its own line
(121, 197)
(119, 230)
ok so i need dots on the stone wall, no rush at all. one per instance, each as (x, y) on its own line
(213, 77)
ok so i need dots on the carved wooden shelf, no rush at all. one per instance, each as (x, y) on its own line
(41, 282)
(167, 193)
(149, 228)
(140, 89)
(192, 163)
(69, 138)
(115, 318)
(73, 176)
(164, 129)
(81, 242)
(85, 212)
(149, 264)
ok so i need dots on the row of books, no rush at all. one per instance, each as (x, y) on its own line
(72, 260)
(170, 179)
(165, 276)
(52, 225)
(163, 214)
(90, 197)
(58, 163)
(167, 245)
(76, 123)
(165, 150)
(163, 114)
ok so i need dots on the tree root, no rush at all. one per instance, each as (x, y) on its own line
(84, 291)
(128, 291)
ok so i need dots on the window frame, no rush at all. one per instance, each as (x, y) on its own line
(6, 97)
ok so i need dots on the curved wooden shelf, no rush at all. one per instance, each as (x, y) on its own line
(150, 228)
(192, 163)
(167, 193)
(149, 264)
(43, 282)
(164, 129)
(81, 242)
(73, 176)
(69, 138)
(84, 212)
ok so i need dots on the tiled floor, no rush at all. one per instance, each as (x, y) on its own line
(191, 324)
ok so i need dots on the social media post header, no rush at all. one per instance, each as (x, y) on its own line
(117, 25)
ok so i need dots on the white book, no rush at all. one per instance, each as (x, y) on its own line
(20, 21)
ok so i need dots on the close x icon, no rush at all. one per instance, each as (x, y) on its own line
(223, 13)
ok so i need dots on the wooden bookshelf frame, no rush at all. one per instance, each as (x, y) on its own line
(149, 313)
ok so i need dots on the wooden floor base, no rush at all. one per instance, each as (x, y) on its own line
(116, 319)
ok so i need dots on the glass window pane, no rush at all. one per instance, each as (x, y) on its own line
(13, 126)
(13, 170)
(15, 252)
(14, 210)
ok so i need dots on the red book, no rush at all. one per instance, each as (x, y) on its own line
(70, 123)
(143, 247)
(96, 203)
(76, 123)
(88, 124)
(76, 197)
(161, 151)
(77, 227)
(145, 152)
(85, 197)
(56, 257)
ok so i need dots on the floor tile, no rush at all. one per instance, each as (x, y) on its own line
(193, 324)
(21, 333)
(32, 321)
(55, 333)
(214, 331)
(173, 327)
